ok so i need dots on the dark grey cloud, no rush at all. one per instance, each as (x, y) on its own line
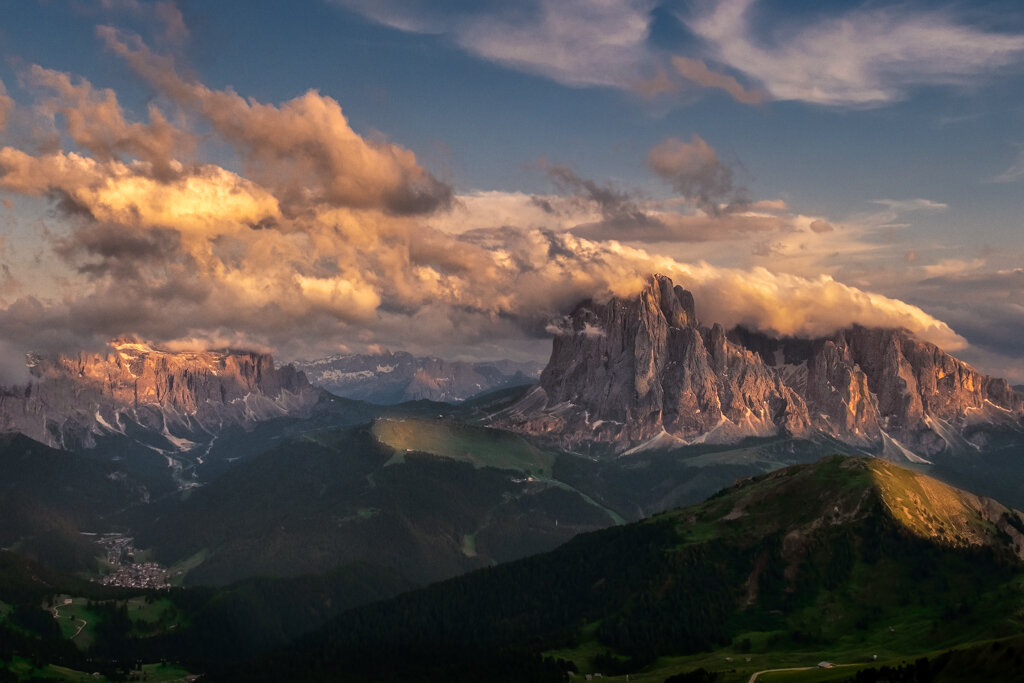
(694, 170)
(624, 216)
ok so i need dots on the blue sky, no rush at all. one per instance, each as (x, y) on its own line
(461, 171)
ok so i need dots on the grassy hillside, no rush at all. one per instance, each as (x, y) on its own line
(48, 496)
(479, 446)
(808, 559)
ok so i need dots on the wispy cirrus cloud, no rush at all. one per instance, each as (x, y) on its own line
(1014, 173)
(576, 42)
(696, 71)
(861, 58)
(164, 11)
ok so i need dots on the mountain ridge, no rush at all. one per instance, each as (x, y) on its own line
(795, 560)
(73, 399)
(642, 372)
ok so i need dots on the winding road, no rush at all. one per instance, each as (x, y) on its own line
(56, 615)
(771, 671)
(794, 668)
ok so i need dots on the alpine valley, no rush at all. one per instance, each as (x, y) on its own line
(670, 500)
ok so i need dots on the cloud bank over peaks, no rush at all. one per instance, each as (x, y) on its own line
(324, 238)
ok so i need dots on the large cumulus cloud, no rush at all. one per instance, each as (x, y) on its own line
(304, 149)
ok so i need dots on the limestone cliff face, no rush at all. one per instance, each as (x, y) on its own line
(640, 370)
(73, 399)
(635, 369)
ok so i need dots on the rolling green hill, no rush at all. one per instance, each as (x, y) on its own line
(846, 556)
(60, 626)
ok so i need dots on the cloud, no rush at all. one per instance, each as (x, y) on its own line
(674, 227)
(862, 58)
(326, 238)
(697, 71)
(626, 216)
(694, 170)
(659, 84)
(201, 199)
(165, 13)
(304, 149)
(987, 306)
(575, 42)
(604, 211)
(911, 204)
(790, 304)
(1013, 174)
(95, 121)
(819, 226)
(494, 209)
(6, 105)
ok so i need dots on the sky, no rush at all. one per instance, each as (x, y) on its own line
(447, 178)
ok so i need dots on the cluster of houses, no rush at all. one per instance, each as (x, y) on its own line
(126, 572)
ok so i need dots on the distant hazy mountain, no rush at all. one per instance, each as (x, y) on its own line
(390, 378)
(848, 553)
(642, 372)
(167, 399)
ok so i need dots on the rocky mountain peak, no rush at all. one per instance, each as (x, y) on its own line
(641, 372)
(74, 397)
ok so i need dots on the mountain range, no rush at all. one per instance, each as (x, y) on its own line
(642, 373)
(233, 470)
(393, 377)
(174, 397)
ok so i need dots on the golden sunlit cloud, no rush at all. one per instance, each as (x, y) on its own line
(304, 149)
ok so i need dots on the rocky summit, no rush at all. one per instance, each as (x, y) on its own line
(71, 400)
(642, 372)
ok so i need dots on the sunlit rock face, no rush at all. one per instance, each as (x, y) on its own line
(73, 399)
(642, 372)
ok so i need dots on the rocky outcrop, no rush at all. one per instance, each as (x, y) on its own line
(631, 370)
(73, 399)
(641, 371)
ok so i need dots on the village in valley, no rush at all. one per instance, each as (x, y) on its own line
(126, 572)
